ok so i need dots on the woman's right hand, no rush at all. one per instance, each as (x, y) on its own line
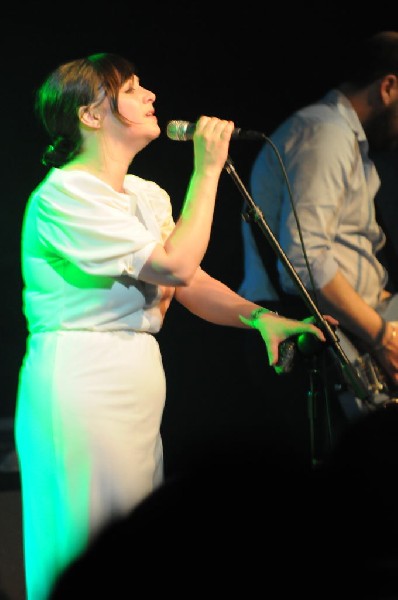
(211, 143)
(176, 263)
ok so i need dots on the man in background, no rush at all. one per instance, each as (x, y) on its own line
(321, 208)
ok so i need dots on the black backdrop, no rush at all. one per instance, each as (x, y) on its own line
(252, 64)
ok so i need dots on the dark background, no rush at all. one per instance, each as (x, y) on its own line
(252, 64)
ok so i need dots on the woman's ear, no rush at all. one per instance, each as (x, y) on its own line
(89, 116)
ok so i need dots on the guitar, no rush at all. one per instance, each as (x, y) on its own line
(380, 390)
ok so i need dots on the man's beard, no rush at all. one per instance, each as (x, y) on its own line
(382, 130)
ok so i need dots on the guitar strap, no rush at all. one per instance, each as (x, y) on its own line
(288, 304)
(268, 257)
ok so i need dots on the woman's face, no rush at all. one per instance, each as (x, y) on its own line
(136, 105)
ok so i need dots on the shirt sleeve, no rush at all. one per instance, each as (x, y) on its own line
(319, 161)
(84, 221)
(159, 202)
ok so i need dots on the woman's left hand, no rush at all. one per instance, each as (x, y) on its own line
(274, 329)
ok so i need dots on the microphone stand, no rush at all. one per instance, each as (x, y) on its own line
(348, 371)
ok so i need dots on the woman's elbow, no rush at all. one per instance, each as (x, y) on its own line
(183, 277)
(175, 277)
(168, 270)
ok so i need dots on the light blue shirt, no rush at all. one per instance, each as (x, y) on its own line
(324, 150)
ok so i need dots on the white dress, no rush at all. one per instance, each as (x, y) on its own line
(91, 387)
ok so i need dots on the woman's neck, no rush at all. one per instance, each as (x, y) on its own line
(113, 174)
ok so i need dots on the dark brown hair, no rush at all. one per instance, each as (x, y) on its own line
(371, 58)
(77, 83)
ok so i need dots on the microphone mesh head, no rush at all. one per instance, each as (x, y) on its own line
(177, 130)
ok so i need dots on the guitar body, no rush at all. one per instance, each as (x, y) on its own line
(372, 376)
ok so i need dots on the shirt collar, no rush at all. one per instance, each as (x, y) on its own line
(347, 111)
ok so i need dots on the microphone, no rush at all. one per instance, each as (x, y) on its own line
(304, 344)
(182, 131)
